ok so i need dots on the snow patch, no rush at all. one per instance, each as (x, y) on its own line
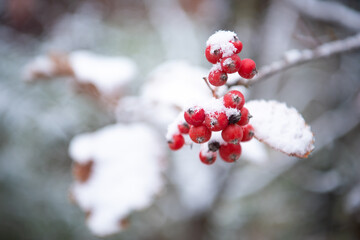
(108, 74)
(221, 40)
(126, 173)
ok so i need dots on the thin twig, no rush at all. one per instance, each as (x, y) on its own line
(212, 90)
(296, 57)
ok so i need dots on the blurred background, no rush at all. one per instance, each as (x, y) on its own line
(285, 198)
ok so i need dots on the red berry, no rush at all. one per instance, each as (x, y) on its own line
(231, 64)
(234, 99)
(237, 44)
(199, 134)
(184, 127)
(208, 158)
(245, 117)
(216, 121)
(176, 142)
(230, 152)
(217, 78)
(232, 134)
(213, 55)
(248, 133)
(247, 69)
(194, 116)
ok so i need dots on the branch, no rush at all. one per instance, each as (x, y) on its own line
(329, 12)
(296, 57)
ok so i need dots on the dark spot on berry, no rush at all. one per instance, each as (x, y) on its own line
(234, 118)
(214, 146)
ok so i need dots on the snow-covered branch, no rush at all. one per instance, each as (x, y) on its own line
(296, 57)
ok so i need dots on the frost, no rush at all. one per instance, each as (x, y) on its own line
(281, 127)
(108, 74)
(221, 40)
(125, 174)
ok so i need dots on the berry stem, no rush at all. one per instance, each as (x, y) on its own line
(212, 90)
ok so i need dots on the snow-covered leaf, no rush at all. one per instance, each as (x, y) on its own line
(118, 169)
(107, 74)
(281, 127)
(103, 76)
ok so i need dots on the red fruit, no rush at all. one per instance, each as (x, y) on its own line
(199, 134)
(213, 55)
(230, 152)
(234, 99)
(217, 78)
(231, 64)
(194, 116)
(245, 117)
(237, 44)
(216, 121)
(176, 142)
(247, 69)
(184, 127)
(232, 134)
(208, 158)
(248, 133)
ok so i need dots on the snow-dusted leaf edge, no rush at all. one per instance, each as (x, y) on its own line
(281, 127)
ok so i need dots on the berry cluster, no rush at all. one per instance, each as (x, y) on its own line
(220, 124)
(226, 116)
(221, 50)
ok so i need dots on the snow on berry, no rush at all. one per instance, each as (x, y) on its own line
(118, 155)
(234, 99)
(194, 116)
(216, 121)
(281, 127)
(206, 155)
(217, 78)
(231, 64)
(222, 40)
(212, 54)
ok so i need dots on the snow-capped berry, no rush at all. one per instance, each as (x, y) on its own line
(237, 44)
(213, 55)
(208, 157)
(234, 99)
(199, 134)
(217, 78)
(248, 133)
(176, 142)
(216, 121)
(245, 117)
(230, 152)
(232, 134)
(231, 64)
(194, 116)
(184, 127)
(247, 69)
